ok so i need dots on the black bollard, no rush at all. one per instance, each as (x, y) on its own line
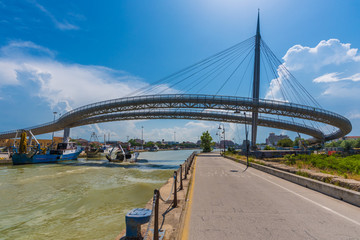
(181, 183)
(175, 190)
(156, 214)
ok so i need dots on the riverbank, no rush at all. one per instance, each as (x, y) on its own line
(4, 159)
(171, 219)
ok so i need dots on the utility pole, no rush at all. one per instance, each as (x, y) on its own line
(174, 137)
(256, 85)
(52, 138)
(142, 137)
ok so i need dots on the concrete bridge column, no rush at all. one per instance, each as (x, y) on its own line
(66, 135)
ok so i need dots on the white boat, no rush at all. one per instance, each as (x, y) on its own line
(117, 154)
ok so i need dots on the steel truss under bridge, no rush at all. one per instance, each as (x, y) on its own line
(200, 107)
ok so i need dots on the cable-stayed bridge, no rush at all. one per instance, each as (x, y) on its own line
(287, 104)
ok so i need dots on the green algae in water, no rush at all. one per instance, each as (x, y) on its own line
(81, 200)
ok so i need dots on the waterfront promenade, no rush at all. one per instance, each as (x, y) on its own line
(228, 203)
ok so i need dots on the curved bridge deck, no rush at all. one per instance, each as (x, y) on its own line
(201, 107)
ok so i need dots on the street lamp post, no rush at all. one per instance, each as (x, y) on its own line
(223, 128)
(246, 141)
(52, 138)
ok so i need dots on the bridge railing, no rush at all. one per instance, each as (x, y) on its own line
(202, 97)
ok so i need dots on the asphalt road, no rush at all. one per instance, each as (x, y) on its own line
(228, 203)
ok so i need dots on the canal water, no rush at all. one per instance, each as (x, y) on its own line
(80, 199)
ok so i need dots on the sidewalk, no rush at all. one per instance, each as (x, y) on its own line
(230, 203)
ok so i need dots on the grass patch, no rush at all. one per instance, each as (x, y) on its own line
(304, 174)
(334, 164)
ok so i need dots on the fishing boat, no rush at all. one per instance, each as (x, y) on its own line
(64, 152)
(154, 149)
(94, 148)
(118, 154)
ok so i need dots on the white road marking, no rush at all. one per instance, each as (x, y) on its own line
(318, 204)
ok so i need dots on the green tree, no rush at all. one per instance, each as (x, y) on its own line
(303, 142)
(269, 148)
(206, 141)
(346, 145)
(332, 144)
(286, 142)
(149, 144)
(357, 143)
(134, 143)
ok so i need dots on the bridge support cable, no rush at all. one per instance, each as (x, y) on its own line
(284, 83)
(242, 77)
(224, 64)
(223, 68)
(291, 78)
(295, 91)
(195, 67)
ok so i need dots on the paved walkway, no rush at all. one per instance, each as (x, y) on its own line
(228, 203)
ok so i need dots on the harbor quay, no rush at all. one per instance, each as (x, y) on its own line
(223, 199)
(168, 207)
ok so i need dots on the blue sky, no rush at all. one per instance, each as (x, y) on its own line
(58, 56)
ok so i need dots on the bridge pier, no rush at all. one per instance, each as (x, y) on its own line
(66, 135)
(256, 86)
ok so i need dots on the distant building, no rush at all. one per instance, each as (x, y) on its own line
(349, 138)
(81, 141)
(139, 141)
(274, 139)
(170, 142)
(228, 143)
(6, 142)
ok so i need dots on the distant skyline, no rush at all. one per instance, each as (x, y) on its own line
(58, 56)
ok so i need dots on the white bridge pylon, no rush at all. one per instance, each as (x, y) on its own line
(200, 107)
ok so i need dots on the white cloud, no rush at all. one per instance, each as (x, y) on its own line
(60, 84)
(274, 92)
(25, 48)
(65, 25)
(327, 52)
(203, 125)
(343, 91)
(66, 86)
(354, 115)
(313, 60)
(334, 77)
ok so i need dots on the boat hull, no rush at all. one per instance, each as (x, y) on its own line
(20, 159)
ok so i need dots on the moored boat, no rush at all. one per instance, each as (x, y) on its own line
(118, 154)
(64, 152)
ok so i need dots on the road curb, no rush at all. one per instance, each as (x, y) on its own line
(343, 194)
